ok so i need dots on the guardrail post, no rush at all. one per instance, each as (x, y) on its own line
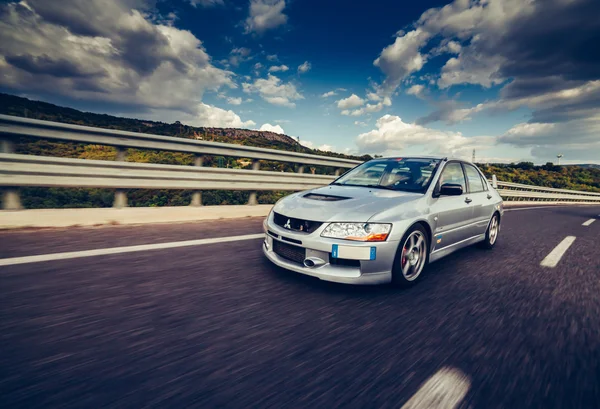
(252, 201)
(338, 172)
(301, 169)
(11, 200)
(197, 195)
(120, 194)
(494, 182)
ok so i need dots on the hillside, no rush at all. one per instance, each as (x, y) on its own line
(17, 106)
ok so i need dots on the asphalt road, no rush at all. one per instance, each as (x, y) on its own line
(216, 326)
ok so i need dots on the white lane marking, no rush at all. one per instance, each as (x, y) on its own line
(588, 222)
(555, 255)
(127, 249)
(444, 390)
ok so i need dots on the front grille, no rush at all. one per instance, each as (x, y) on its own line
(290, 223)
(287, 251)
(343, 262)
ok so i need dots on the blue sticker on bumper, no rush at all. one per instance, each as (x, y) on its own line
(334, 251)
(373, 253)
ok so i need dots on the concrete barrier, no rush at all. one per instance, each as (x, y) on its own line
(62, 218)
(40, 218)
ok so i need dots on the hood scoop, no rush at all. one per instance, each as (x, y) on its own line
(324, 198)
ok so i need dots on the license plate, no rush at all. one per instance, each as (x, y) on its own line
(353, 252)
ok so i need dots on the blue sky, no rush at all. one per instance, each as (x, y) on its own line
(509, 78)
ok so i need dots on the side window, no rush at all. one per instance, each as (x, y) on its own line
(485, 183)
(474, 179)
(453, 173)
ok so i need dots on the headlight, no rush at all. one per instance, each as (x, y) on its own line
(358, 231)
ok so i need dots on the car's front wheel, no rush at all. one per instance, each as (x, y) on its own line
(491, 235)
(412, 257)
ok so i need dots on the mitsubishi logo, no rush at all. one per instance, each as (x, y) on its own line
(288, 225)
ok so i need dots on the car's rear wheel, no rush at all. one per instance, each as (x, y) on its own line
(412, 257)
(491, 235)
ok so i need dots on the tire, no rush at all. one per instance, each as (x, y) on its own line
(491, 234)
(409, 264)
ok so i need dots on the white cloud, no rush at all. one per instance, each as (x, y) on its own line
(239, 55)
(272, 128)
(333, 92)
(272, 57)
(234, 100)
(201, 115)
(217, 117)
(528, 130)
(103, 51)
(282, 121)
(577, 139)
(276, 68)
(308, 144)
(471, 68)
(402, 58)
(373, 96)
(258, 66)
(392, 135)
(304, 67)
(265, 15)
(326, 148)
(369, 108)
(360, 123)
(416, 90)
(352, 101)
(274, 91)
(206, 3)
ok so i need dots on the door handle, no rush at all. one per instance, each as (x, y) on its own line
(467, 200)
(489, 196)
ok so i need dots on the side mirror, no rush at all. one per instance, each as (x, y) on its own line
(451, 189)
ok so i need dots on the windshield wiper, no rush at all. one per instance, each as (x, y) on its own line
(380, 187)
(367, 186)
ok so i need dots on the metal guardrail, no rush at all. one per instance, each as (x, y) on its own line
(514, 196)
(28, 170)
(25, 170)
(510, 186)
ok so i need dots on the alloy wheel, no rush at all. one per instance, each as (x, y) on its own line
(413, 255)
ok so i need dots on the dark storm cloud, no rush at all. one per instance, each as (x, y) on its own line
(561, 39)
(87, 18)
(141, 46)
(144, 49)
(105, 50)
(54, 67)
(551, 47)
(528, 87)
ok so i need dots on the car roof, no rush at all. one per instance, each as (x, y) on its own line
(439, 157)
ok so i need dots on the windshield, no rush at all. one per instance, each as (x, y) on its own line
(405, 174)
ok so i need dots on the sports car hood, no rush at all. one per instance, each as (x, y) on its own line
(342, 203)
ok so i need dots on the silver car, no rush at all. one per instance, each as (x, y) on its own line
(384, 220)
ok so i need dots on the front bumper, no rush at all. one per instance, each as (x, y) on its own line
(378, 271)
